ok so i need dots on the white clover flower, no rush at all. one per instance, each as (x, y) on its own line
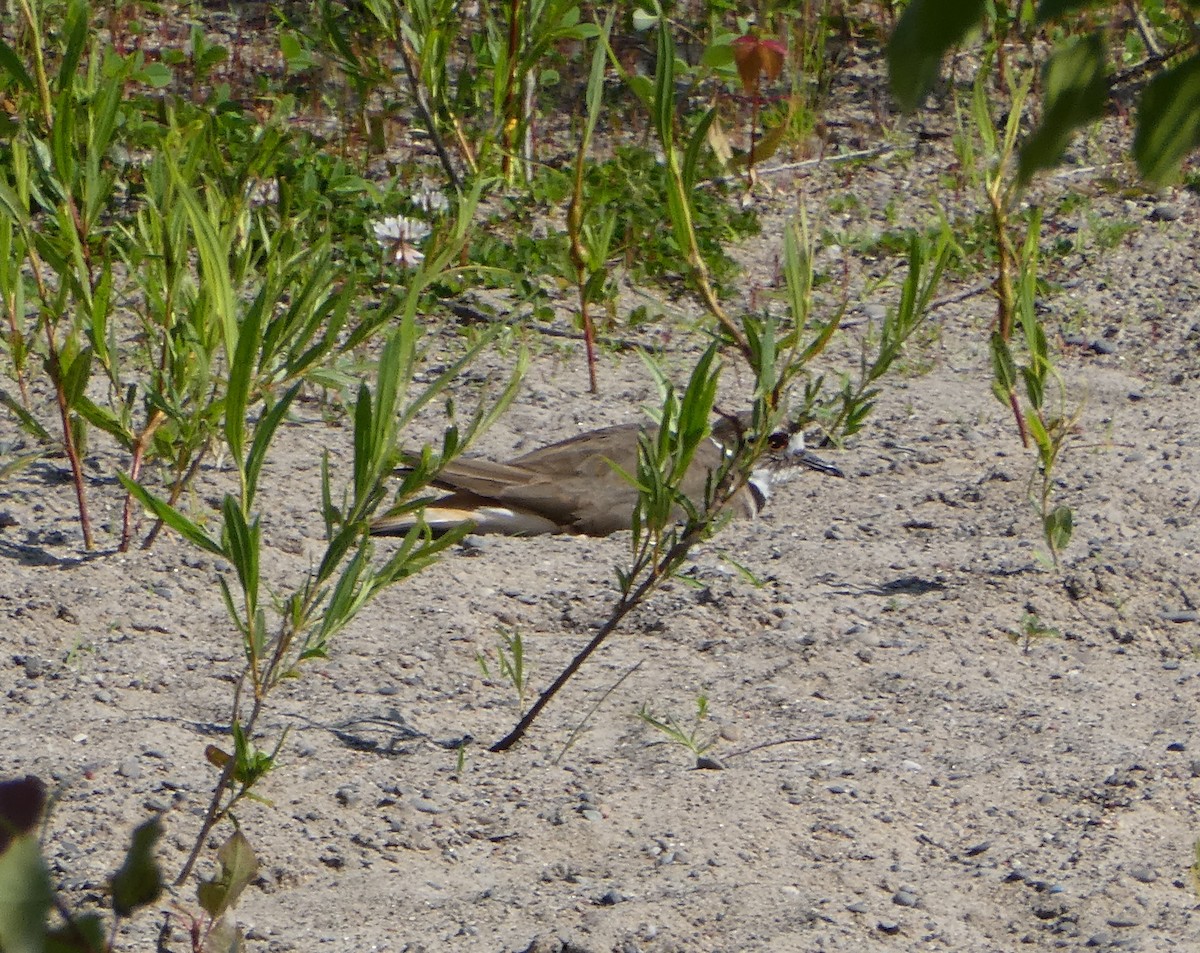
(399, 235)
(399, 228)
(430, 198)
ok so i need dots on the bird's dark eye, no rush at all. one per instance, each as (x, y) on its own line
(777, 440)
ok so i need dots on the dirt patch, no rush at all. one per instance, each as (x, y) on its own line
(900, 768)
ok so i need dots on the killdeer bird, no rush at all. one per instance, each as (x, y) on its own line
(577, 485)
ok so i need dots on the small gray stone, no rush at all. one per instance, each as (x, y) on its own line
(857, 907)
(348, 796)
(34, 666)
(1124, 920)
(904, 898)
(1143, 873)
(889, 927)
(130, 768)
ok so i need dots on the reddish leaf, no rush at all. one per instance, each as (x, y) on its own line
(749, 64)
(754, 57)
(215, 756)
(772, 53)
(21, 804)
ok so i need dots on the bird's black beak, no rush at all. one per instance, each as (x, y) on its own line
(813, 462)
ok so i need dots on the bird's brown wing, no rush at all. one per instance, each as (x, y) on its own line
(587, 479)
(576, 485)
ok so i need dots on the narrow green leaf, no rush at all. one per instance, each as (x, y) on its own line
(76, 33)
(172, 517)
(664, 81)
(105, 112)
(1037, 430)
(241, 375)
(243, 549)
(62, 146)
(11, 64)
(691, 155)
(1004, 368)
(217, 284)
(103, 419)
(264, 430)
(11, 202)
(28, 422)
(76, 376)
(595, 87)
(364, 448)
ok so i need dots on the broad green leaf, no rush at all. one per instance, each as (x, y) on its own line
(643, 20)
(86, 934)
(239, 866)
(1076, 94)
(927, 29)
(296, 56)
(1168, 121)
(1059, 526)
(155, 75)
(139, 881)
(24, 896)
(224, 937)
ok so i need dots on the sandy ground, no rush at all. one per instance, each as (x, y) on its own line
(898, 769)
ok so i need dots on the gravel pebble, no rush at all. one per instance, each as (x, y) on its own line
(904, 898)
